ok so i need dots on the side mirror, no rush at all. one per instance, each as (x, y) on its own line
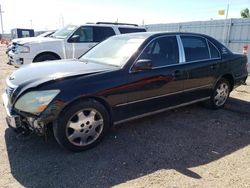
(143, 64)
(74, 38)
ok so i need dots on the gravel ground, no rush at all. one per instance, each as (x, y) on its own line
(188, 147)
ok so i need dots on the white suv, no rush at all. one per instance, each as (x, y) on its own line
(69, 42)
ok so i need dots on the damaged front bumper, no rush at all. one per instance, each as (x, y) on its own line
(13, 120)
(18, 122)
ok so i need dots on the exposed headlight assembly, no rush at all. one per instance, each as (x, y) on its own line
(35, 101)
(23, 49)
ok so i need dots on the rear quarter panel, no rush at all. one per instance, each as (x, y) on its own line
(235, 64)
(231, 63)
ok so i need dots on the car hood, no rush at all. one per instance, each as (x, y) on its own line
(18, 40)
(30, 40)
(26, 39)
(33, 75)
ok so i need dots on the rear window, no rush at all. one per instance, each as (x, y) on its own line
(130, 30)
(213, 51)
(195, 48)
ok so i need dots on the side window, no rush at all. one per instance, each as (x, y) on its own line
(195, 48)
(82, 34)
(91, 34)
(130, 30)
(162, 51)
(213, 51)
(102, 33)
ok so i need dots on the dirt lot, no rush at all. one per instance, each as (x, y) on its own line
(189, 147)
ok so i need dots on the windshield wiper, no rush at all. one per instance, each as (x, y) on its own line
(98, 62)
(82, 60)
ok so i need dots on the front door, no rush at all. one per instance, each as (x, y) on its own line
(85, 38)
(161, 86)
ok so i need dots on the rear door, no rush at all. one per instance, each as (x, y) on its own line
(202, 61)
(85, 38)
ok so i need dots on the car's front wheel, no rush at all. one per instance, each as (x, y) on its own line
(45, 57)
(220, 94)
(82, 125)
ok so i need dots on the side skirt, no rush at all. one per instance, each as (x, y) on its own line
(161, 110)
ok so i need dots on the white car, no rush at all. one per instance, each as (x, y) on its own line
(67, 43)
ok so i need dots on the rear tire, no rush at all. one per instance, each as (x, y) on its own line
(45, 57)
(82, 125)
(220, 94)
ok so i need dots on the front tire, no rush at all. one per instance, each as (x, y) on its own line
(82, 125)
(45, 57)
(220, 94)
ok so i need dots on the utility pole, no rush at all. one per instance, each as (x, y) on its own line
(227, 9)
(31, 24)
(225, 26)
(61, 21)
(1, 18)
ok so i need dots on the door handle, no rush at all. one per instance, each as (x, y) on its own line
(176, 74)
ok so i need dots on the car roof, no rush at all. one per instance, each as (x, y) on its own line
(158, 34)
(114, 25)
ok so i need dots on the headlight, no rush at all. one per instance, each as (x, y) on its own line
(35, 101)
(23, 49)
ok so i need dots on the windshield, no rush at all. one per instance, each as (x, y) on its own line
(64, 32)
(115, 50)
(46, 34)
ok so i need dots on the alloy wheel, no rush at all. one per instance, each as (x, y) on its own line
(84, 127)
(221, 94)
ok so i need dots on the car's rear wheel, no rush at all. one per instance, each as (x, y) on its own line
(220, 94)
(82, 125)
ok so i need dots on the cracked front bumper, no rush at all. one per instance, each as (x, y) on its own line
(18, 60)
(13, 120)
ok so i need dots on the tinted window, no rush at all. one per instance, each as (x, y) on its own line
(162, 51)
(195, 48)
(130, 30)
(213, 51)
(101, 33)
(92, 34)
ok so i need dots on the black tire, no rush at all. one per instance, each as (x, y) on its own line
(45, 57)
(213, 102)
(62, 131)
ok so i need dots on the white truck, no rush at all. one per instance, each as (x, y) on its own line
(67, 43)
(18, 40)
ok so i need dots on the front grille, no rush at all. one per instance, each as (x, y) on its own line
(14, 47)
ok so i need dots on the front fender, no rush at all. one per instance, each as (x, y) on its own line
(57, 47)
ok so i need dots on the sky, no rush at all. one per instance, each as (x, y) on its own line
(53, 14)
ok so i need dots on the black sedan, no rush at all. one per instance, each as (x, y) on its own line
(123, 78)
